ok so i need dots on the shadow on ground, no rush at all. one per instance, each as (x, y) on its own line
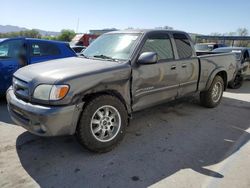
(159, 142)
(4, 115)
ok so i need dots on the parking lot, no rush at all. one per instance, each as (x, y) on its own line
(179, 144)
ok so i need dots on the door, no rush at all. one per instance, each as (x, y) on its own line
(155, 83)
(43, 51)
(12, 57)
(188, 63)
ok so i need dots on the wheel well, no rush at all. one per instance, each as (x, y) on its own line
(223, 75)
(114, 93)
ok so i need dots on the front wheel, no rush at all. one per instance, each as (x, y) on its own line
(102, 123)
(212, 97)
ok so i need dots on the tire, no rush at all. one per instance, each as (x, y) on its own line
(208, 98)
(95, 132)
(237, 82)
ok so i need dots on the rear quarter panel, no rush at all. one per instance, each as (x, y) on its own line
(210, 65)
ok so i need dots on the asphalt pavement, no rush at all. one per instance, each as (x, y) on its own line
(175, 145)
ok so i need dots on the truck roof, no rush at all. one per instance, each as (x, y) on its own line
(231, 48)
(3, 39)
(33, 39)
(208, 43)
(234, 47)
(143, 31)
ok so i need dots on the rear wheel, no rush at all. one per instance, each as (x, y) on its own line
(212, 97)
(237, 82)
(102, 124)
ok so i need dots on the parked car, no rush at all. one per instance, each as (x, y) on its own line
(18, 52)
(78, 49)
(243, 64)
(121, 72)
(83, 39)
(207, 47)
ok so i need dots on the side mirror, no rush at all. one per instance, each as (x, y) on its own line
(148, 58)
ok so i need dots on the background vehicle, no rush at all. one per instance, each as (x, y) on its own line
(78, 49)
(18, 52)
(83, 39)
(207, 47)
(121, 72)
(243, 64)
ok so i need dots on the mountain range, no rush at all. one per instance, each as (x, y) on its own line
(12, 28)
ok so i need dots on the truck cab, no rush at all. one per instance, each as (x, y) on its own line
(19, 52)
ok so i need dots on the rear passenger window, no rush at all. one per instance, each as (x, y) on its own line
(44, 49)
(159, 43)
(183, 46)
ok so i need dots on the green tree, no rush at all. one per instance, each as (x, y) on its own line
(66, 35)
(27, 33)
(49, 37)
(33, 33)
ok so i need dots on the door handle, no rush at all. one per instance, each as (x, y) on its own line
(173, 67)
(184, 65)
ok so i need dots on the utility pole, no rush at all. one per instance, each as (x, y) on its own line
(77, 25)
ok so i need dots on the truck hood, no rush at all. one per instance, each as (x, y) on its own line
(61, 69)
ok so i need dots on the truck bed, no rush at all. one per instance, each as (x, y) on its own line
(212, 61)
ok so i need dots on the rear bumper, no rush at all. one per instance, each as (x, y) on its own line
(43, 120)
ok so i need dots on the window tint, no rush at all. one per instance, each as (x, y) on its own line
(183, 46)
(11, 49)
(159, 43)
(44, 49)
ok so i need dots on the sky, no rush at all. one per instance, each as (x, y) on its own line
(203, 16)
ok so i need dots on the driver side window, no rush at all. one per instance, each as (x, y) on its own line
(11, 49)
(161, 44)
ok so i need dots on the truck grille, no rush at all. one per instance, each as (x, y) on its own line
(21, 88)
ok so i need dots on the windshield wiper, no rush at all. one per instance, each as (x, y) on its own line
(105, 57)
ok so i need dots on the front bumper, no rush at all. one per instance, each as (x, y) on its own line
(43, 120)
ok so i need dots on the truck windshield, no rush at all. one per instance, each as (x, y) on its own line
(117, 46)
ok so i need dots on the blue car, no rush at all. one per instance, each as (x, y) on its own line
(18, 52)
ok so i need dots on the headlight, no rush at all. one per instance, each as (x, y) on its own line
(50, 92)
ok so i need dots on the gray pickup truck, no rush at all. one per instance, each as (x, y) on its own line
(121, 72)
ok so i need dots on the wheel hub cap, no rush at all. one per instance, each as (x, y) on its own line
(217, 92)
(105, 123)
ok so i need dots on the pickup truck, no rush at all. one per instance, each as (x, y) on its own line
(243, 64)
(18, 52)
(207, 47)
(121, 72)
